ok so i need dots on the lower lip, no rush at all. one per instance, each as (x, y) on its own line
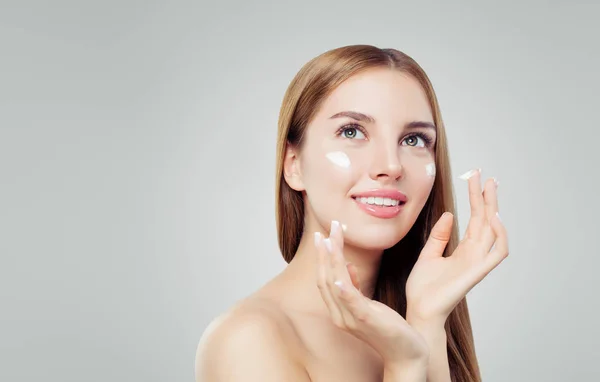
(382, 212)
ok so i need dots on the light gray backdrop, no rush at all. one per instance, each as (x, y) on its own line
(137, 154)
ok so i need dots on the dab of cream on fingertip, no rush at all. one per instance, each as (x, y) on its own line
(469, 173)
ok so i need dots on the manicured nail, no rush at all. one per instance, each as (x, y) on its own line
(344, 228)
(339, 284)
(327, 244)
(496, 182)
(498, 215)
(317, 238)
(335, 225)
(469, 174)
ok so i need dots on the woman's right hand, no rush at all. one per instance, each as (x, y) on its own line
(375, 323)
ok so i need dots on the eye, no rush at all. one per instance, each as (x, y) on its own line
(427, 141)
(352, 132)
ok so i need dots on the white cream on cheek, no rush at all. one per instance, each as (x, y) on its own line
(339, 159)
(430, 169)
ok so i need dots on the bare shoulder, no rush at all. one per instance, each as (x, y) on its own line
(252, 341)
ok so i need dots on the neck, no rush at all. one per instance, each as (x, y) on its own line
(300, 274)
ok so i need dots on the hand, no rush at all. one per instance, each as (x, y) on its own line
(437, 284)
(375, 323)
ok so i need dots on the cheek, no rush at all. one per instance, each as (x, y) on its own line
(420, 176)
(430, 170)
(331, 171)
(423, 177)
(339, 159)
(339, 167)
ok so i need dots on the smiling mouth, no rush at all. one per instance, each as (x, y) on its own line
(379, 201)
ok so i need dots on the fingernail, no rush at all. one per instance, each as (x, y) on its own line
(498, 215)
(335, 225)
(496, 182)
(339, 284)
(344, 228)
(317, 238)
(327, 244)
(469, 174)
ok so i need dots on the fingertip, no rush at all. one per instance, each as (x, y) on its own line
(327, 243)
(335, 226)
(341, 287)
(317, 239)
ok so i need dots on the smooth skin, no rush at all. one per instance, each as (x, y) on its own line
(299, 326)
(434, 288)
(411, 350)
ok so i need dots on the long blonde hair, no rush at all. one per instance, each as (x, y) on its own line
(308, 89)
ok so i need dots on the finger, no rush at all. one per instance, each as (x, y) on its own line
(336, 278)
(340, 272)
(338, 262)
(477, 205)
(322, 280)
(500, 251)
(336, 234)
(353, 303)
(490, 195)
(353, 272)
(438, 237)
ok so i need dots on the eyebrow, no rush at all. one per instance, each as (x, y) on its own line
(367, 118)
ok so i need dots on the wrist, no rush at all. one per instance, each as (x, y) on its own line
(435, 336)
(430, 324)
(413, 371)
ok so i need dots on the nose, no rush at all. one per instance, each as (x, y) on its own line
(386, 164)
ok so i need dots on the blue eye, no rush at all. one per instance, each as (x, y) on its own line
(352, 132)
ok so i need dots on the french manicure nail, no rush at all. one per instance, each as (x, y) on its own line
(317, 238)
(335, 225)
(327, 244)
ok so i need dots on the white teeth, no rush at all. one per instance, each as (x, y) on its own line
(388, 202)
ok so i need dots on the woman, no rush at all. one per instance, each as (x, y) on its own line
(375, 285)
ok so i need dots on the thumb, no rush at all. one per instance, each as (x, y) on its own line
(439, 236)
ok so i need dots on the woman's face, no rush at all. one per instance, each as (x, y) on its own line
(370, 145)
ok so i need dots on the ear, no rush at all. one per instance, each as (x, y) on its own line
(291, 168)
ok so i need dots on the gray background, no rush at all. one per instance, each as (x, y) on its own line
(137, 153)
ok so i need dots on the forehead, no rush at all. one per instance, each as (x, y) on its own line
(386, 94)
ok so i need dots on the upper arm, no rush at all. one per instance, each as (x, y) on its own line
(247, 347)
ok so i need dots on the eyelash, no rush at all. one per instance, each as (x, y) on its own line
(426, 138)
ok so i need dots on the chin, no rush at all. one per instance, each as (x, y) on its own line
(375, 238)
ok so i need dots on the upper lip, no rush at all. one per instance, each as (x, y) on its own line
(382, 193)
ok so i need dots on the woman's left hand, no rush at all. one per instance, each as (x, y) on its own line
(437, 284)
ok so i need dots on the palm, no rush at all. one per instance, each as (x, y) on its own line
(437, 284)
